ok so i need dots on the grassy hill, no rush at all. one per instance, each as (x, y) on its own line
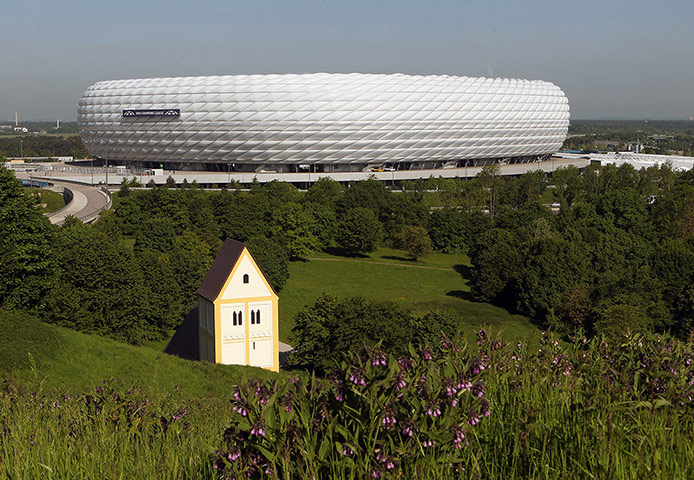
(160, 416)
(433, 283)
(68, 361)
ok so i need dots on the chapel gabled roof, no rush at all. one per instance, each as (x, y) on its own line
(220, 270)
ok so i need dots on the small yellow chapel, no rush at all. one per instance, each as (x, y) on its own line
(237, 311)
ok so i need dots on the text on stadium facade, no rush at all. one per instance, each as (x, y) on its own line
(155, 112)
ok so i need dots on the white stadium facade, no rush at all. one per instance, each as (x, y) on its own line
(322, 122)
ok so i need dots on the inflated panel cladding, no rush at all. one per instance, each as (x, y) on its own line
(323, 117)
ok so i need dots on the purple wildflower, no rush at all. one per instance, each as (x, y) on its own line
(458, 436)
(408, 427)
(478, 390)
(356, 376)
(433, 409)
(258, 429)
(379, 358)
(405, 362)
(472, 418)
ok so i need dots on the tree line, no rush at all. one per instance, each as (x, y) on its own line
(42, 146)
(619, 255)
(609, 258)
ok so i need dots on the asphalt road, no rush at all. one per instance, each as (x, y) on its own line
(87, 201)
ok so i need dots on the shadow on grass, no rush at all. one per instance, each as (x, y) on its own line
(338, 252)
(465, 271)
(461, 294)
(399, 259)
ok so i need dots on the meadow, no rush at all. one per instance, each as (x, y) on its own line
(433, 283)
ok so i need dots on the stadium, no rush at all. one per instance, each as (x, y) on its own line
(322, 122)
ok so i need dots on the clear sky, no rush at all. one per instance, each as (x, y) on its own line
(613, 58)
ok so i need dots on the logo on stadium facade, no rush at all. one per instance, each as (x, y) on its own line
(155, 112)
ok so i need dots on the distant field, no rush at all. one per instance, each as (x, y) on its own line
(386, 275)
(53, 200)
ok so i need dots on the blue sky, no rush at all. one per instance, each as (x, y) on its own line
(613, 58)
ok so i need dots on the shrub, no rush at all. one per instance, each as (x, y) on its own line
(332, 327)
(414, 241)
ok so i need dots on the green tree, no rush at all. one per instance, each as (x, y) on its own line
(413, 240)
(567, 182)
(331, 327)
(359, 231)
(129, 216)
(325, 225)
(673, 266)
(124, 188)
(551, 268)
(272, 258)
(280, 193)
(100, 288)
(527, 188)
(163, 306)
(614, 320)
(202, 219)
(496, 261)
(447, 230)
(242, 216)
(295, 226)
(400, 210)
(371, 194)
(26, 256)
(191, 258)
(490, 178)
(325, 191)
(157, 233)
(575, 310)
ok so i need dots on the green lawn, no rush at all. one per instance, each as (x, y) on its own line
(52, 200)
(387, 275)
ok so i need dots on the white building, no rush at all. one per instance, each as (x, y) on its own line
(238, 311)
(328, 122)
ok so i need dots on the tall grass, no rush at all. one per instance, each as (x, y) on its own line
(107, 434)
(593, 409)
(588, 409)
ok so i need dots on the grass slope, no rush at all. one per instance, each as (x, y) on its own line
(425, 285)
(82, 361)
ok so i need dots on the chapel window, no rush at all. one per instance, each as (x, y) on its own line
(245, 278)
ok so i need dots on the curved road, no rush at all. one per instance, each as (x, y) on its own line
(87, 201)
